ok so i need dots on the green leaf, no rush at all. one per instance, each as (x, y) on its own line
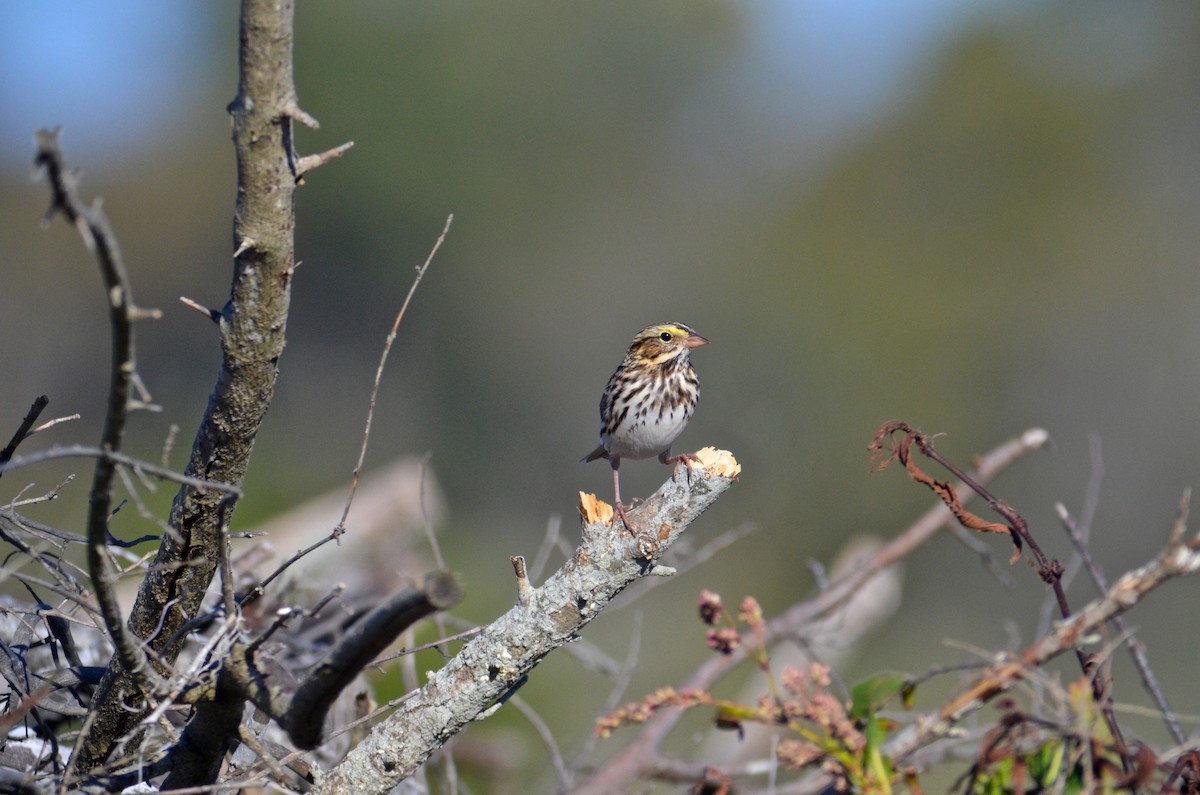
(867, 697)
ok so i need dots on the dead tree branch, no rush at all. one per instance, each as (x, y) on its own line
(1180, 558)
(366, 639)
(641, 756)
(23, 429)
(497, 660)
(98, 236)
(1050, 570)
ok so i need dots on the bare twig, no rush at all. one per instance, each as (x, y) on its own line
(618, 773)
(466, 634)
(550, 541)
(119, 459)
(623, 677)
(430, 534)
(387, 349)
(98, 236)
(687, 560)
(53, 494)
(35, 411)
(1136, 648)
(253, 594)
(1177, 559)
(565, 780)
(340, 528)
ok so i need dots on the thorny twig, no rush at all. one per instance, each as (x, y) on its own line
(93, 226)
(643, 753)
(1048, 569)
(1136, 649)
(387, 349)
(339, 529)
(1179, 558)
(22, 431)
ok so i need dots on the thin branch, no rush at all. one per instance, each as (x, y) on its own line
(618, 773)
(551, 540)
(387, 349)
(35, 411)
(1136, 649)
(340, 528)
(98, 236)
(466, 634)
(623, 677)
(119, 459)
(565, 779)
(430, 534)
(687, 560)
(1178, 559)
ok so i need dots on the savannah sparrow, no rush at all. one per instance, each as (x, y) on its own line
(649, 400)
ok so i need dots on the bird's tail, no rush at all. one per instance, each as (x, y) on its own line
(599, 452)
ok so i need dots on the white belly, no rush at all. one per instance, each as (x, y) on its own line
(646, 437)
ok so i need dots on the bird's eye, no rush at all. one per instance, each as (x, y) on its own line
(665, 336)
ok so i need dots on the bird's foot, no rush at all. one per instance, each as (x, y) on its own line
(624, 519)
(686, 459)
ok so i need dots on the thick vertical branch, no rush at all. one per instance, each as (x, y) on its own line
(252, 326)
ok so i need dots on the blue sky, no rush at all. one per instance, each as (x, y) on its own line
(109, 69)
(112, 69)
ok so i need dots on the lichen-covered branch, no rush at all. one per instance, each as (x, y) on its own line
(607, 560)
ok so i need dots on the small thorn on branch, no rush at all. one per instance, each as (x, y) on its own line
(309, 162)
(244, 246)
(138, 313)
(51, 423)
(211, 314)
(294, 111)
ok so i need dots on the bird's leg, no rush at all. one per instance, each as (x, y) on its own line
(616, 462)
(687, 459)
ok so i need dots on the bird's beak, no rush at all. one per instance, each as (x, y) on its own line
(694, 341)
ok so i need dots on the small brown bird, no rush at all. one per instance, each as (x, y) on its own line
(649, 400)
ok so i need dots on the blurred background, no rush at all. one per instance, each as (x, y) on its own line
(978, 217)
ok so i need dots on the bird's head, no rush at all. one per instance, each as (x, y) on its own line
(664, 343)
